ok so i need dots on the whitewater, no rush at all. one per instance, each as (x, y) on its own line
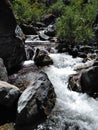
(73, 111)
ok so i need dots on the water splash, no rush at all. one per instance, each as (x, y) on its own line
(73, 111)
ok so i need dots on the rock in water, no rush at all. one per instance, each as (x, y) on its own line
(11, 48)
(85, 82)
(9, 95)
(3, 71)
(35, 103)
(42, 59)
(89, 81)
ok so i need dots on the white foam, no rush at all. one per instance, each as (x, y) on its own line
(77, 107)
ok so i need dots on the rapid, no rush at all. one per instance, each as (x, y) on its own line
(73, 111)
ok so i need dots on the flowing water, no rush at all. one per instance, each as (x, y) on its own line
(73, 111)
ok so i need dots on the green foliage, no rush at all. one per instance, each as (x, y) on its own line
(75, 24)
(26, 11)
(57, 8)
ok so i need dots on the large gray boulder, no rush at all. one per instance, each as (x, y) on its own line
(9, 95)
(85, 82)
(11, 48)
(3, 71)
(35, 103)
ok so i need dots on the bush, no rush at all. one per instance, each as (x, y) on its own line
(75, 24)
(25, 10)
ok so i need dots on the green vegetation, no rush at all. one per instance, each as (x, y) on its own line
(74, 22)
(25, 10)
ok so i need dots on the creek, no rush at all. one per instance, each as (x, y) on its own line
(73, 111)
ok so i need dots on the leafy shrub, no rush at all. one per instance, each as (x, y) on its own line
(25, 10)
(75, 24)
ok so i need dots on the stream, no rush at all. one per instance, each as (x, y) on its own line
(73, 111)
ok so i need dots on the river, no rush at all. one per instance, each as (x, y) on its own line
(73, 111)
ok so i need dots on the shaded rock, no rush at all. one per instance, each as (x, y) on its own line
(85, 82)
(74, 52)
(82, 55)
(48, 19)
(50, 31)
(11, 48)
(85, 49)
(89, 81)
(74, 83)
(62, 47)
(28, 29)
(7, 19)
(38, 24)
(12, 52)
(43, 36)
(9, 95)
(42, 59)
(36, 103)
(95, 63)
(3, 71)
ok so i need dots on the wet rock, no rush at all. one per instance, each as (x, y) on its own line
(19, 33)
(74, 52)
(29, 52)
(82, 55)
(74, 83)
(38, 24)
(42, 59)
(50, 31)
(28, 29)
(36, 103)
(43, 36)
(11, 48)
(9, 95)
(85, 82)
(3, 71)
(89, 81)
(86, 49)
(48, 19)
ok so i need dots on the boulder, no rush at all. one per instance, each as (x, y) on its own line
(42, 59)
(28, 29)
(35, 103)
(86, 49)
(9, 95)
(89, 81)
(48, 19)
(74, 83)
(7, 19)
(12, 52)
(11, 48)
(43, 36)
(3, 71)
(50, 31)
(85, 82)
